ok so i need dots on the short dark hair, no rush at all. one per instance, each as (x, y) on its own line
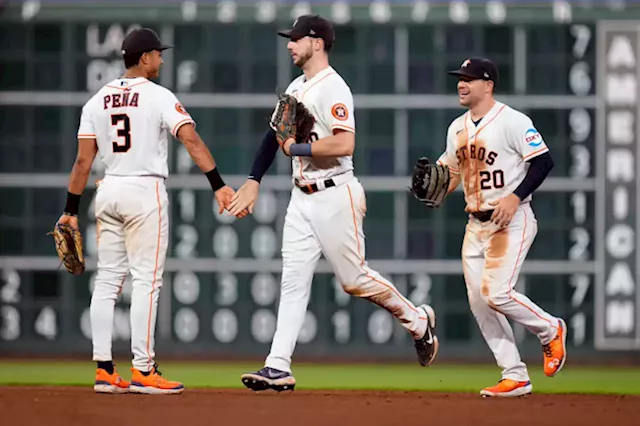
(327, 46)
(132, 59)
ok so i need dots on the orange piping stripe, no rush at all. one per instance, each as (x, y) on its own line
(509, 293)
(155, 275)
(355, 230)
(343, 127)
(309, 88)
(534, 153)
(128, 87)
(180, 123)
(475, 137)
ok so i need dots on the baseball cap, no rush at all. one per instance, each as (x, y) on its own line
(142, 40)
(311, 26)
(479, 69)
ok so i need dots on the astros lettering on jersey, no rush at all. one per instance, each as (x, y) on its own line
(328, 97)
(492, 156)
(133, 116)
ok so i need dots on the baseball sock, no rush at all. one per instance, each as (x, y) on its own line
(106, 365)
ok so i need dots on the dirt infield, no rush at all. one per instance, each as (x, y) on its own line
(26, 406)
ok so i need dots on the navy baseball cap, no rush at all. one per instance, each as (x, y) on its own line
(478, 69)
(310, 26)
(142, 40)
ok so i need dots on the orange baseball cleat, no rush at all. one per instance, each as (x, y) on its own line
(110, 383)
(555, 352)
(507, 388)
(153, 383)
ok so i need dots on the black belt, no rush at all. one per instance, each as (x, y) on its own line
(483, 216)
(310, 189)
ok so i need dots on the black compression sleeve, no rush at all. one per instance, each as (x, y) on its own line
(265, 155)
(539, 168)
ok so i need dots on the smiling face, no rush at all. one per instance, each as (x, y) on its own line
(473, 91)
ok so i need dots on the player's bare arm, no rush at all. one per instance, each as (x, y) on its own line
(340, 144)
(87, 150)
(204, 160)
(505, 208)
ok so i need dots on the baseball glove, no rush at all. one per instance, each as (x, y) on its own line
(292, 120)
(430, 182)
(69, 247)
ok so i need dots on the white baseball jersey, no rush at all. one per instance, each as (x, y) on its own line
(328, 97)
(130, 119)
(491, 156)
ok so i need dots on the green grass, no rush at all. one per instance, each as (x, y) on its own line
(450, 378)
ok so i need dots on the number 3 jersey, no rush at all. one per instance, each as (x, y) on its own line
(328, 98)
(131, 118)
(491, 156)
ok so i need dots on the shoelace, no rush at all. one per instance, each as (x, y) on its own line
(547, 350)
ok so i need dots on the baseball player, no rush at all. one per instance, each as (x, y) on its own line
(127, 122)
(326, 210)
(500, 158)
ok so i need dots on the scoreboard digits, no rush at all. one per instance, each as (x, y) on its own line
(581, 83)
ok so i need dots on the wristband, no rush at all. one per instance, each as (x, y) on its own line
(73, 204)
(215, 180)
(300, 150)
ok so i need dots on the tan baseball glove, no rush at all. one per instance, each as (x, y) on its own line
(292, 120)
(69, 247)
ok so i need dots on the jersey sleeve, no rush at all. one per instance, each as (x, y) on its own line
(525, 139)
(336, 107)
(448, 157)
(174, 115)
(87, 129)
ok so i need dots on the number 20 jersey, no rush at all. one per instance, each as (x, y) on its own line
(131, 118)
(492, 156)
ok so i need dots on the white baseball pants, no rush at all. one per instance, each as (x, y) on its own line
(492, 259)
(133, 228)
(329, 222)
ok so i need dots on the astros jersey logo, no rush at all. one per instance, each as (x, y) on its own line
(340, 112)
(181, 109)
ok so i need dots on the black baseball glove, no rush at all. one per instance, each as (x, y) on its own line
(292, 120)
(430, 182)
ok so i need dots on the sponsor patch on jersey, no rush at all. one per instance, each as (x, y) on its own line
(181, 109)
(340, 112)
(533, 138)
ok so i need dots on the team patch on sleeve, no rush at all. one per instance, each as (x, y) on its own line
(181, 109)
(533, 138)
(340, 112)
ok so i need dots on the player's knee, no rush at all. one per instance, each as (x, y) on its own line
(495, 299)
(108, 283)
(354, 285)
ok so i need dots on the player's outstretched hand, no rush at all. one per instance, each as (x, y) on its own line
(505, 208)
(223, 197)
(66, 219)
(244, 200)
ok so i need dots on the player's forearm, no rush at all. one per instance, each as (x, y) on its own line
(79, 177)
(539, 168)
(264, 156)
(201, 155)
(196, 148)
(338, 145)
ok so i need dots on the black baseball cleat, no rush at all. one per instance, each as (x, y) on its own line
(427, 345)
(269, 378)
